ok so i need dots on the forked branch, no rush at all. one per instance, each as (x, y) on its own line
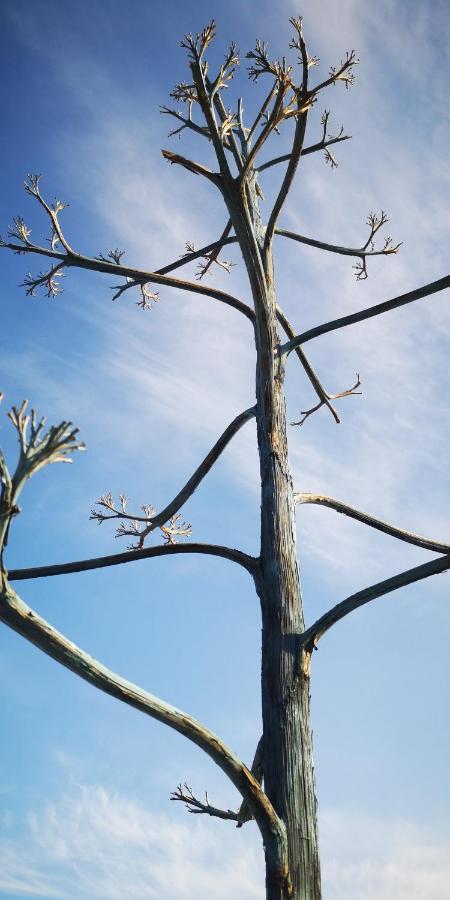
(325, 401)
(324, 397)
(153, 520)
(133, 277)
(184, 794)
(362, 253)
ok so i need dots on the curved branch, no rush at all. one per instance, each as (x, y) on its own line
(312, 635)
(377, 310)
(137, 275)
(23, 620)
(116, 559)
(372, 522)
(358, 252)
(200, 472)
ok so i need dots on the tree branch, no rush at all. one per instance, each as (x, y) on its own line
(158, 520)
(303, 102)
(184, 794)
(324, 397)
(136, 277)
(314, 148)
(194, 167)
(117, 559)
(377, 310)
(23, 620)
(361, 253)
(372, 522)
(312, 635)
(191, 256)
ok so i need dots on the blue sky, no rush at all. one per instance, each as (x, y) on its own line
(84, 808)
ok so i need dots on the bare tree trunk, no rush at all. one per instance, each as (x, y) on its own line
(287, 753)
(287, 739)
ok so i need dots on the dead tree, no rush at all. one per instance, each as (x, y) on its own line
(278, 789)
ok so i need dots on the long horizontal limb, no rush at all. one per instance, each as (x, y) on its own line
(116, 559)
(432, 288)
(366, 519)
(135, 276)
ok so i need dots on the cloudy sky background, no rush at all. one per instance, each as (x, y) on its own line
(84, 809)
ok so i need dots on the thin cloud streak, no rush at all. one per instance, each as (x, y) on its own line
(91, 842)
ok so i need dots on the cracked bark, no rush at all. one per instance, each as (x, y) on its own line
(287, 739)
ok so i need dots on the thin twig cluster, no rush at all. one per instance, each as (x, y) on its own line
(132, 525)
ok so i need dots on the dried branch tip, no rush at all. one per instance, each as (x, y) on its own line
(211, 258)
(184, 795)
(326, 401)
(374, 222)
(139, 526)
(262, 65)
(47, 280)
(344, 72)
(197, 45)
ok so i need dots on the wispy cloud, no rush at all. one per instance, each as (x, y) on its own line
(92, 843)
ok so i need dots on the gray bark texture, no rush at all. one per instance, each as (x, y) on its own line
(287, 739)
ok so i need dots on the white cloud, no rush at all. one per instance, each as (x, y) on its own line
(94, 844)
(368, 859)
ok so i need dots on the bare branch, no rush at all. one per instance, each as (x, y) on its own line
(262, 112)
(191, 166)
(366, 519)
(350, 392)
(157, 520)
(314, 148)
(185, 122)
(312, 635)
(197, 45)
(368, 249)
(191, 255)
(134, 277)
(37, 448)
(304, 101)
(343, 72)
(432, 288)
(24, 621)
(117, 559)
(212, 256)
(49, 280)
(324, 397)
(32, 188)
(184, 794)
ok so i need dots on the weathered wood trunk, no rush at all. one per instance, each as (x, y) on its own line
(287, 738)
